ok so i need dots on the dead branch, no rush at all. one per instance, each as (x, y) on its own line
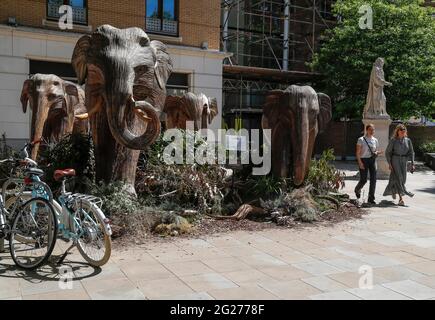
(243, 212)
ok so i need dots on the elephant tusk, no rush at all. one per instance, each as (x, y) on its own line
(83, 116)
(142, 114)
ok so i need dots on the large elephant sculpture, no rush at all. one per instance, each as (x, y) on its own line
(125, 75)
(190, 107)
(295, 116)
(57, 108)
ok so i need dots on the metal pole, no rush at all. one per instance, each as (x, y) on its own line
(225, 21)
(314, 24)
(286, 34)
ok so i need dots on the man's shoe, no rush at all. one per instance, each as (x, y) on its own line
(372, 202)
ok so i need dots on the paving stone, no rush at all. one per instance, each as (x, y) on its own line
(243, 293)
(117, 289)
(411, 289)
(336, 295)
(226, 264)
(295, 289)
(377, 293)
(208, 281)
(324, 283)
(162, 288)
(317, 268)
(427, 268)
(188, 268)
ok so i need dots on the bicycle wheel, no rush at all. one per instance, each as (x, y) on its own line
(94, 243)
(33, 233)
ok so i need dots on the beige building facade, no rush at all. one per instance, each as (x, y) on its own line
(32, 42)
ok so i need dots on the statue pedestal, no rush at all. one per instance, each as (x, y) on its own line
(382, 133)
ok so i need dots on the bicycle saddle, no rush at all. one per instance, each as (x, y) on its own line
(60, 174)
(35, 172)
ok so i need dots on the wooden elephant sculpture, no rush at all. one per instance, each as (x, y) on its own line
(58, 108)
(125, 75)
(295, 116)
(190, 107)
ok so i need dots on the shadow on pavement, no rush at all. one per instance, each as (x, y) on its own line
(51, 271)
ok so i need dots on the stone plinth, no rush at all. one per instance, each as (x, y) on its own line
(382, 133)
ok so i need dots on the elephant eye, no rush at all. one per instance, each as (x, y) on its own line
(144, 42)
(56, 83)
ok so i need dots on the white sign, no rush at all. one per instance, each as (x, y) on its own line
(237, 143)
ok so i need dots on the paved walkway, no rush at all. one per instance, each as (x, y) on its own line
(396, 245)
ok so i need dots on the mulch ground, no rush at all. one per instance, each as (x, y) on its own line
(209, 226)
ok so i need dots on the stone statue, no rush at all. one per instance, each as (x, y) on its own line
(376, 102)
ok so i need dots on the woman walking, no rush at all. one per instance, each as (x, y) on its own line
(398, 152)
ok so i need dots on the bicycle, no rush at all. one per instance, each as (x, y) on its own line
(83, 222)
(79, 216)
(31, 230)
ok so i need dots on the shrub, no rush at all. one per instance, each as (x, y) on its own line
(190, 186)
(323, 176)
(72, 151)
(427, 147)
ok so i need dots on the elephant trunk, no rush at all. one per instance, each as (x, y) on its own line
(300, 147)
(120, 108)
(39, 119)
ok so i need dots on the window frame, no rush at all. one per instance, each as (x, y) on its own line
(160, 17)
(85, 6)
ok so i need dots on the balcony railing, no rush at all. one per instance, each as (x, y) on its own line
(79, 13)
(164, 26)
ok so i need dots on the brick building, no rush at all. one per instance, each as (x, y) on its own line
(32, 42)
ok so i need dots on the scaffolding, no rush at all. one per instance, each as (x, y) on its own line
(265, 35)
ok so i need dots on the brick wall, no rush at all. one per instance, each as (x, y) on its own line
(342, 138)
(199, 20)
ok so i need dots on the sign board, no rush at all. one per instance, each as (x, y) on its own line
(237, 143)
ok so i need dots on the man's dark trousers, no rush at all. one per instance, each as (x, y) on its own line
(369, 166)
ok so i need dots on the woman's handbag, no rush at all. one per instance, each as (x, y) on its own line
(374, 155)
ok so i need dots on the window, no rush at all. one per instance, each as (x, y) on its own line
(178, 84)
(79, 7)
(162, 16)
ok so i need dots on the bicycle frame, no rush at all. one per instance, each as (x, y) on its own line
(70, 225)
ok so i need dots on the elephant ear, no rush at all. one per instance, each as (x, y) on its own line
(79, 58)
(26, 94)
(171, 103)
(163, 66)
(325, 114)
(270, 108)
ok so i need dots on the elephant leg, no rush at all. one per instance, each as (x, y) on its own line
(311, 143)
(113, 161)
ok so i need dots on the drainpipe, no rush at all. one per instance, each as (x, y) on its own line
(286, 34)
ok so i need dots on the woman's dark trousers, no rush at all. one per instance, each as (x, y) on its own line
(369, 166)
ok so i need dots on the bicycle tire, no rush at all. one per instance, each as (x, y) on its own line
(51, 244)
(99, 215)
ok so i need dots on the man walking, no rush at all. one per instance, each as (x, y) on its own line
(367, 150)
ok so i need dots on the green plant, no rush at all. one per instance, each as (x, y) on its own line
(73, 151)
(323, 176)
(115, 200)
(427, 147)
(6, 152)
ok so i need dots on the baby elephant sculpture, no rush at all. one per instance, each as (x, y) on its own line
(295, 116)
(57, 108)
(190, 107)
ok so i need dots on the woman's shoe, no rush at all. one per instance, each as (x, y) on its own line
(401, 203)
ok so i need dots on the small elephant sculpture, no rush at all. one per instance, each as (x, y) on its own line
(295, 116)
(190, 107)
(58, 108)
